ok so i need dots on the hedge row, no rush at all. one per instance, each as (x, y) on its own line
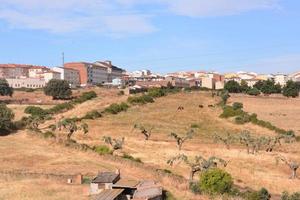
(242, 117)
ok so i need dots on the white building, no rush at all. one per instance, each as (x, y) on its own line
(281, 79)
(26, 83)
(49, 75)
(68, 74)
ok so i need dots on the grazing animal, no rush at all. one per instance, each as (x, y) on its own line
(211, 106)
(180, 108)
(201, 106)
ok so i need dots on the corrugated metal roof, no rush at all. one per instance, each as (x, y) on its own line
(109, 194)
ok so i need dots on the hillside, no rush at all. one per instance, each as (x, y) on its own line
(26, 151)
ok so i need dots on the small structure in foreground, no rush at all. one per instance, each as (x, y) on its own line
(110, 186)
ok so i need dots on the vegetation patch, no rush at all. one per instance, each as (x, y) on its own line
(129, 157)
(116, 108)
(102, 150)
(144, 99)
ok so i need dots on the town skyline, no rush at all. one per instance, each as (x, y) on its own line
(163, 36)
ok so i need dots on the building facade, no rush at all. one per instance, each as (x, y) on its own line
(26, 82)
(68, 74)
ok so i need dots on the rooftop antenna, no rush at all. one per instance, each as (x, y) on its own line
(63, 59)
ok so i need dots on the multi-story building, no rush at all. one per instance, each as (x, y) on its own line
(13, 71)
(113, 72)
(95, 73)
(89, 73)
(295, 77)
(68, 74)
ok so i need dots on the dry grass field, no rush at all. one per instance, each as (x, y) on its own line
(282, 112)
(27, 152)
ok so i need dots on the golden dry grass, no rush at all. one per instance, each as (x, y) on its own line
(22, 151)
(282, 112)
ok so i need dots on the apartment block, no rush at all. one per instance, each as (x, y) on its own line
(68, 74)
(13, 71)
(281, 79)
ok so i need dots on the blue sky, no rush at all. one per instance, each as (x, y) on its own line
(161, 35)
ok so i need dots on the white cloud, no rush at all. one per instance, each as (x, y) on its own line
(113, 16)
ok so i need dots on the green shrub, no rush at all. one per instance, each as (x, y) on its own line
(237, 105)
(140, 99)
(262, 194)
(36, 111)
(102, 150)
(61, 108)
(287, 196)
(195, 126)
(156, 92)
(253, 91)
(85, 97)
(243, 118)
(94, 114)
(194, 187)
(116, 108)
(228, 111)
(129, 157)
(215, 181)
(49, 134)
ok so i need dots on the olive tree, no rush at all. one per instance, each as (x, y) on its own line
(293, 165)
(181, 139)
(72, 126)
(116, 144)
(228, 139)
(144, 131)
(197, 164)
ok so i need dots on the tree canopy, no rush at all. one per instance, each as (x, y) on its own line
(58, 89)
(291, 89)
(232, 86)
(5, 90)
(6, 117)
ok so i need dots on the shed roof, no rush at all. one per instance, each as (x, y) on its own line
(106, 177)
(109, 194)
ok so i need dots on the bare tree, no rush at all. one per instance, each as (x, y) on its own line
(291, 164)
(116, 144)
(144, 131)
(252, 143)
(197, 164)
(181, 139)
(227, 140)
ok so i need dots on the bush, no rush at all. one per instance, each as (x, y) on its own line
(156, 92)
(102, 150)
(215, 181)
(129, 157)
(6, 117)
(262, 194)
(92, 115)
(61, 108)
(243, 118)
(85, 97)
(253, 91)
(237, 105)
(116, 108)
(291, 89)
(194, 187)
(287, 196)
(36, 111)
(140, 99)
(228, 111)
(49, 134)
(195, 126)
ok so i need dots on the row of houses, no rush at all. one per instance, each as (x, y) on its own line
(211, 80)
(76, 73)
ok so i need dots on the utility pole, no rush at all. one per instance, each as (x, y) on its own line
(63, 59)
